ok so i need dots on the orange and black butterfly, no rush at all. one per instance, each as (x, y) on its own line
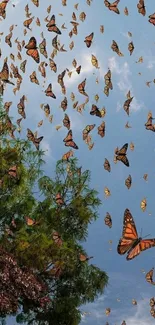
(4, 74)
(141, 7)
(128, 182)
(31, 137)
(57, 238)
(126, 105)
(33, 78)
(35, 2)
(148, 124)
(31, 222)
(59, 199)
(42, 48)
(55, 43)
(152, 302)
(112, 6)
(66, 121)
(149, 276)
(69, 140)
(121, 155)
(131, 47)
(107, 165)
(84, 258)
(21, 107)
(88, 39)
(152, 19)
(108, 220)
(67, 155)
(60, 78)
(130, 243)
(64, 104)
(32, 49)
(81, 88)
(52, 26)
(7, 106)
(101, 129)
(53, 65)
(116, 49)
(108, 83)
(3, 5)
(28, 22)
(49, 91)
(95, 111)
(13, 171)
(78, 69)
(86, 130)
(8, 39)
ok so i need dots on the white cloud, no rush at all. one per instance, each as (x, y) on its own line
(141, 316)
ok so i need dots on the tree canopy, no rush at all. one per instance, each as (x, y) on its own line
(44, 268)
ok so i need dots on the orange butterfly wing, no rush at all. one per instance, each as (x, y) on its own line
(129, 234)
(141, 246)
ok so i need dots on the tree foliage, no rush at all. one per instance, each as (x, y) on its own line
(42, 235)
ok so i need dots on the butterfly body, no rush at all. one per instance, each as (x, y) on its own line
(130, 243)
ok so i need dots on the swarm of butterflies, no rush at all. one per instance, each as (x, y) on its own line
(130, 243)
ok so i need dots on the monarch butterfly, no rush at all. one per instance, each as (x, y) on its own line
(71, 45)
(53, 65)
(127, 126)
(112, 6)
(130, 243)
(108, 220)
(67, 155)
(35, 2)
(107, 165)
(143, 204)
(95, 111)
(128, 182)
(76, 6)
(49, 91)
(132, 146)
(59, 199)
(23, 65)
(86, 130)
(102, 29)
(78, 69)
(134, 302)
(19, 56)
(107, 192)
(69, 140)
(131, 47)
(115, 48)
(149, 276)
(60, 78)
(7, 106)
(55, 43)
(38, 22)
(52, 26)
(40, 123)
(148, 124)
(82, 16)
(33, 78)
(84, 258)
(126, 12)
(124, 322)
(141, 7)
(57, 238)
(88, 39)
(31, 137)
(4, 74)
(152, 19)
(145, 176)
(107, 79)
(21, 107)
(28, 22)
(70, 34)
(101, 129)
(121, 155)
(32, 49)
(8, 39)
(12, 57)
(3, 5)
(94, 61)
(64, 104)
(108, 311)
(66, 121)
(42, 48)
(152, 302)
(152, 312)
(30, 222)
(13, 171)
(81, 88)
(126, 105)
(74, 63)
(64, 2)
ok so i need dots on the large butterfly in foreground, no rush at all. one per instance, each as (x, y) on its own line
(130, 243)
(121, 155)
(32, 49)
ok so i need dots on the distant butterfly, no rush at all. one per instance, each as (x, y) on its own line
(152, 19)
(131, 47)
(107, 192)
(95, 111)
(107, 165)
(35, 2)
(52, 26)
(126, 12)
(33, 78)
(31, 137)
(143, 204)
(116, 49)
(3, 5)
(121, 154)
(88, 39)
(94, 61)
(101, 129)
(28, 22)
(108, 311)
(4, 73)
(66, 121)
(134, 302)
(49, 91)
(81, 88)
(42, 48)
(59, 200)
(128, 182)
(149, 276)
(108, 220)
(86, 130)
(130, 243)
(52, 65)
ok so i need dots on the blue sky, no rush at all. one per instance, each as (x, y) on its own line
(127, 281)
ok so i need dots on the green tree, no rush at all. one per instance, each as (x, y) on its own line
(44, 231)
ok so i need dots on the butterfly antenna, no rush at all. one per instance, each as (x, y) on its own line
(147, 235)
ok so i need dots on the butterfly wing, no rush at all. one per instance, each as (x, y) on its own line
(123, 159)
(141, 246)
(129, 234)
